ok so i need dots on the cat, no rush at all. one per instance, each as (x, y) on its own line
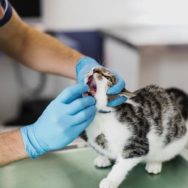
(149, 127)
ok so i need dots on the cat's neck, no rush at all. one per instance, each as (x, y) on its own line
(107, 109)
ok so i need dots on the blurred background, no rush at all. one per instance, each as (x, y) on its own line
(146, 41)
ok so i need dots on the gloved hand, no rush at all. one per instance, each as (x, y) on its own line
(85, 64)
(63, 120)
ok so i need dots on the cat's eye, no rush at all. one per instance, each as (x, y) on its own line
(109, 78)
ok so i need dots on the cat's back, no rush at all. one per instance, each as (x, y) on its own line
(156, 103)
(153, 109)
(154, 97)
(150, 105)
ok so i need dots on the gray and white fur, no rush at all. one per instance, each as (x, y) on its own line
(149, 127)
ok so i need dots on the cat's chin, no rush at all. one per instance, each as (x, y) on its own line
(103, 108)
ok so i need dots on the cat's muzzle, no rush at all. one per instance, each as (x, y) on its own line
(90, 81)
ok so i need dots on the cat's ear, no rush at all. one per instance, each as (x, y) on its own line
(127, 93)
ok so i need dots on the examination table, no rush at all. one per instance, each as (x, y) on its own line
(74, 169)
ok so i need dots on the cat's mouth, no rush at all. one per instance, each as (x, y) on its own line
(92, 85)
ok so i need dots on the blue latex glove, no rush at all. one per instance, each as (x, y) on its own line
(85, 64)
(62, 121)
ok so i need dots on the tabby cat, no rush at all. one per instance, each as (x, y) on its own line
(149, 127)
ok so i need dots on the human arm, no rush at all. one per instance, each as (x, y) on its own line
(37, 50)
(1, 12)
(63, 120)
(44, 53)
(11, 147)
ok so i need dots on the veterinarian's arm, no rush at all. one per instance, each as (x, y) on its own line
(37, 50)
(11, 147)
(65, 118)
(44, 53)
(1, 12)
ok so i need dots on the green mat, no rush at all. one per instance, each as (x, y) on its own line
(74, 169)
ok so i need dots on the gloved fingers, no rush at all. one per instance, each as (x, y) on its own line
(118, 101)
(84, 65)
(81, 127)
(80, 104)
(84, 115)
(117, 88)
(72, 93)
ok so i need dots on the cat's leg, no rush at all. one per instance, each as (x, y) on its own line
(102, 162)
(119, 172)
(184, 154)
(153, 167)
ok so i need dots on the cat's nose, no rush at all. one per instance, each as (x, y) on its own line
(94, 71)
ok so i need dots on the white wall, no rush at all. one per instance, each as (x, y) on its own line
(92, 14)
(83, 14)
(123, 60)
(165, 66)
(157, 12)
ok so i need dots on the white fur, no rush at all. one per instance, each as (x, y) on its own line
(184, 154)
(154, 167)
(102, 161)
(119, 172)
(117, 134)
(102, 87)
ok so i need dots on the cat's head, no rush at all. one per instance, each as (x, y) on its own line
(99, 80)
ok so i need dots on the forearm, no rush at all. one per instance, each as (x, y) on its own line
(11, 147)
(1, 12)
(36, 49)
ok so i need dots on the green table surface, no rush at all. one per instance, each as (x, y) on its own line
(74, 169)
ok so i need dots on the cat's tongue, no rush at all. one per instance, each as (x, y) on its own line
(92, 85)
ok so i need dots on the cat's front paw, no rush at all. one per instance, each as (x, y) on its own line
(106, 183)
(154, 168)
(102, 162)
